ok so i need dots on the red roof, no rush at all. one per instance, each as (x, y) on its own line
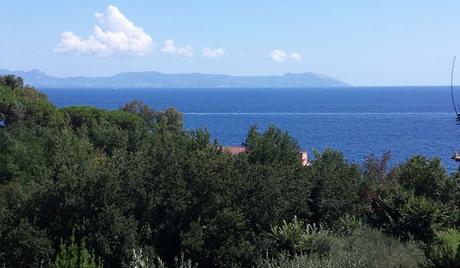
(234, 150)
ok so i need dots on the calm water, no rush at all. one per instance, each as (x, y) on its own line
(358, 121)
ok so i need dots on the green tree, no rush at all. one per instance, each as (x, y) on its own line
(24, 245)
(335, 187)
(445, 251)
(426, 177)
(404, 214)
(273, 146)
(75, 255)
(11, 81)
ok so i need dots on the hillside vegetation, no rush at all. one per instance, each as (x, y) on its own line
(86, 187)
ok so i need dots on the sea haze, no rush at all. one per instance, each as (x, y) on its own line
(358, 121)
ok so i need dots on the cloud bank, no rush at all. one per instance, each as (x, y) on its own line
(113, 34)
(211, 53)
(171, 48)
(281, 56)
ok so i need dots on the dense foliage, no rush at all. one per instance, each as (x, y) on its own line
(360, 247)
(85, 187)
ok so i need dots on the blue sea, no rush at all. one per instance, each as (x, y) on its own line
(359, 121)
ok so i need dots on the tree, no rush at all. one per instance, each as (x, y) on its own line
(425, 177)
(24, 245)
(271, 147)
(75, 255)
(11, 81)
(402, 213)
(139, 108)
(335, 187)
(170, 119)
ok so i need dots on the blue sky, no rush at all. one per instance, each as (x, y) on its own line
(363, 42)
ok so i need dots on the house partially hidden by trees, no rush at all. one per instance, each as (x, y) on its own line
(236, 150)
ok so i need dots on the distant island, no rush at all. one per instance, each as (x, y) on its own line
(152, 79)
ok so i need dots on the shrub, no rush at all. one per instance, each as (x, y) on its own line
(24, 246)
(365, 247)
(11, 81)
(75, 255)
(445, 250)
(347, 224)
(425, 177)
(143, 259)
(405, 215)
(297, 237)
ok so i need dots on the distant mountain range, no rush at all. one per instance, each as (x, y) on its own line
(153, 79)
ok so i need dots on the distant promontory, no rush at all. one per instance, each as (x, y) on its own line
(152, 79)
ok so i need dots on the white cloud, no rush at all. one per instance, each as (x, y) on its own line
(113, 34)
(278, 55)
(281, 56)
(295, 56)
(171, 48)
(213, 53)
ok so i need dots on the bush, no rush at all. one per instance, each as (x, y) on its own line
(11, 81)
(347, 224)
(445, 251)
(365, 247)
(401, 213)
(426, 177)
(75, 255)
(24, 246)
(297, 237)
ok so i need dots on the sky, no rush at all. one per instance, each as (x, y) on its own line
(362, 42)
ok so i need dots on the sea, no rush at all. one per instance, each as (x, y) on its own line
(359, 121)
